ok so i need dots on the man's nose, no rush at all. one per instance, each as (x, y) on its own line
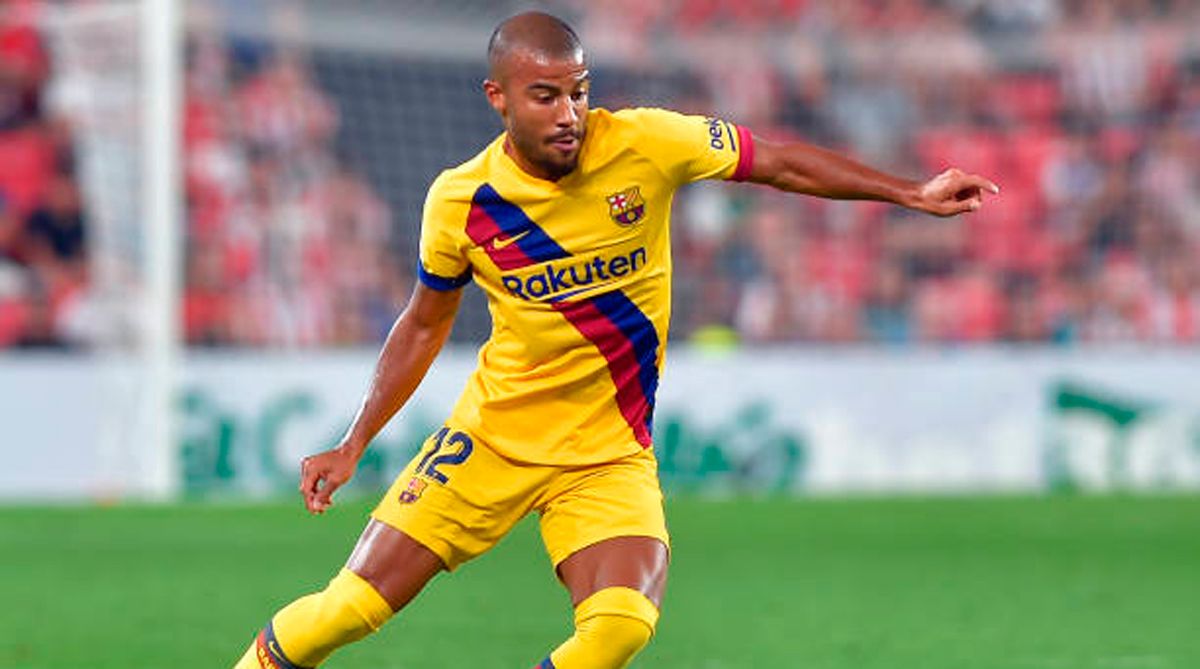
(566, 115)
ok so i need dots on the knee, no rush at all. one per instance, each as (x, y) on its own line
(614, 624)
(350, 605)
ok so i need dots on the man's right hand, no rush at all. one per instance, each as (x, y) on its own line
(323, 473)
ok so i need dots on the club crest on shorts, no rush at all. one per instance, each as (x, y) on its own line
(627, 207)
(413, 492)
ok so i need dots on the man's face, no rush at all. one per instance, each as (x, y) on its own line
(544, 104)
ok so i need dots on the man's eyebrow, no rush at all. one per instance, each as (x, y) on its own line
(554, 88)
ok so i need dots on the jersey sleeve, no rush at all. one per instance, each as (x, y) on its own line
(691, 148)
(443, 261)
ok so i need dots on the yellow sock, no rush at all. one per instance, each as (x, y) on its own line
(306, 631)
(611, 627)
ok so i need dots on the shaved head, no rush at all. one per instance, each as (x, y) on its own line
(536, 34)
(539, 85)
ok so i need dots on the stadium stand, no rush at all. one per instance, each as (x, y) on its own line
(307, 163)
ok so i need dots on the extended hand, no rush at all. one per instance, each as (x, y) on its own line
(953, 192)
(322, 474)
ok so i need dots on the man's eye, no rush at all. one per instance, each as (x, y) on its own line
(579, 95)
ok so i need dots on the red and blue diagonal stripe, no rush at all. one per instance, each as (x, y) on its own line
(628, 341)
(268, 651)
(611, 321)
(493, 220)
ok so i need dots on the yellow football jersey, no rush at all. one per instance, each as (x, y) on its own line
(577, 274)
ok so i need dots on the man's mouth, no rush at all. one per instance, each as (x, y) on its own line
(568, 142)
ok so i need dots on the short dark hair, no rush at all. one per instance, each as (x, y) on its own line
(536, 31)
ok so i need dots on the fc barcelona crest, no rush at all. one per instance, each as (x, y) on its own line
(413, 492)
(627, 207)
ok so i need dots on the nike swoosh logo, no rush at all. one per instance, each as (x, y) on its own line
(274, 648)
(505, 241)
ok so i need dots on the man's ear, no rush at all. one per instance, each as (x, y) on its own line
(495, 96)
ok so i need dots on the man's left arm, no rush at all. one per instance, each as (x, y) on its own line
(798, 167)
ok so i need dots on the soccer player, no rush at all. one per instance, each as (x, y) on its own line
(563, 222)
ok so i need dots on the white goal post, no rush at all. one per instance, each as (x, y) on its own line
(117, 79)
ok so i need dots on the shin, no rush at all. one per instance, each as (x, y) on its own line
(306, 631)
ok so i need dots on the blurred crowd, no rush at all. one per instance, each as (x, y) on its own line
(287, 246)
(43, 231)
(1086, 112)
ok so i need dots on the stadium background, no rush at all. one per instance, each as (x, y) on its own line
(1041, 348)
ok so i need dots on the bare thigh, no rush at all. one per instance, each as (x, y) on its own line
(639, 563)
(395, 564)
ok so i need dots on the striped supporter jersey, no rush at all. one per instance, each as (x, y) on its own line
(578, 279)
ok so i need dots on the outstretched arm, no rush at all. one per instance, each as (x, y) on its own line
(411, 346)
(798, 167)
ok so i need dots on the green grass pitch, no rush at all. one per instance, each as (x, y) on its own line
(988, 583)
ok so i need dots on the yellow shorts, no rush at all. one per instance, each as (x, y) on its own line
(458, 498)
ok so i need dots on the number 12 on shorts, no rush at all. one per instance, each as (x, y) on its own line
(458, 447)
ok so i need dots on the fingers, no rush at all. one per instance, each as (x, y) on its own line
(986, 185)
(957, 205)
(960, 180)
(323, 499)
(316, 486)
(322, 474)
(964, 206)
(308, 476)
(959, 192)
